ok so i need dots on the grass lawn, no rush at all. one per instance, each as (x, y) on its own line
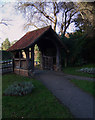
(87, 86)
(39, 104)
(73, 71)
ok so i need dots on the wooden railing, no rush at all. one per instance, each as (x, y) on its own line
(6, 66)
(48, 62)
(22, 63)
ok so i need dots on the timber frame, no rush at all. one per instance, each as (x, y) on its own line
(49, 45)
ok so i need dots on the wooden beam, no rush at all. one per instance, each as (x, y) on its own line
(32, 58)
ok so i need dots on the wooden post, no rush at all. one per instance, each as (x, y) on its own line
(13, 61)
(32, 58)
(57, 58)
(27, 58)
(20, 54)
(58, 55)
(43, 59)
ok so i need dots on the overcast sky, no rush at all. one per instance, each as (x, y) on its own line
(15, 22)
(15, 29)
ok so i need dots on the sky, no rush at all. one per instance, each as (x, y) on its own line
(15, 29)
(15, 22)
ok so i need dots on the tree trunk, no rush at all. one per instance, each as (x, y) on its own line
(55, 23)
(61, 29)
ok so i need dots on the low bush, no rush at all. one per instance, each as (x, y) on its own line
(6, 55)
(19, 89)
(87, 70)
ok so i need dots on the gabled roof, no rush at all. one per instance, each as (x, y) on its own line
(28, 39)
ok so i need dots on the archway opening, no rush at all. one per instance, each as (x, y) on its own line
(37, 57)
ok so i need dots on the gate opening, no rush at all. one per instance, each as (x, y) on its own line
(37, 56)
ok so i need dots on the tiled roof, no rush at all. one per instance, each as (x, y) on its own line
(28, 39)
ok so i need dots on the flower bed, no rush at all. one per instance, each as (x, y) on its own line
(87, 70)
(19, 89)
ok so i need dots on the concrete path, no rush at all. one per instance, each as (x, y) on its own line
(79, 103)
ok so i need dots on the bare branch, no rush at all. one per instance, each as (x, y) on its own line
(30, 24)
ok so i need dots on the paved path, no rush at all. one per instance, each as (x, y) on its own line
(79, 77)
(79, 103)
(75, 77)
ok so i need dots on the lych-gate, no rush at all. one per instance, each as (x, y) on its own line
(49, 45)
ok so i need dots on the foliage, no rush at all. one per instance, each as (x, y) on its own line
(81, 43)
(40, 104)
(88, 66)
(36, 48)
(85, 20)
(87, 70)
(5, 45)
(87, 86)
(37, 53)
(13, 42)
(19, 89)
(74, 43)
(81, 47)
(57, 14)
(6, 55)
(74, 71)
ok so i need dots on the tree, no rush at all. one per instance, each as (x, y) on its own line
(75, 44)
(58, 14)
(68, 11)
(85, 20)
(5, 45)
(86, 23)
(13, 42)
(37, 53)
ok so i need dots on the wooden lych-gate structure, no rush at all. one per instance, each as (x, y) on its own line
(49, 45)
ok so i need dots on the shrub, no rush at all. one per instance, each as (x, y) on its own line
(6, 55)
(19, 89)
(87, 70)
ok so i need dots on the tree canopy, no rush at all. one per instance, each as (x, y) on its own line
(58, 14)
(5, 45)
(86, 19)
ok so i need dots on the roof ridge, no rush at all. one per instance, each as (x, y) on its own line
(21, 42)
(39, 29)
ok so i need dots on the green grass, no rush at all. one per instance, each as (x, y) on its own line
(73, 71)
(87, 86)
(89, 66)
(39, 104)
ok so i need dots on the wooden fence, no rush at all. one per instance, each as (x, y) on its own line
(6, 66)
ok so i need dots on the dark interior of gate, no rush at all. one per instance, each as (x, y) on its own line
(48, 52)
